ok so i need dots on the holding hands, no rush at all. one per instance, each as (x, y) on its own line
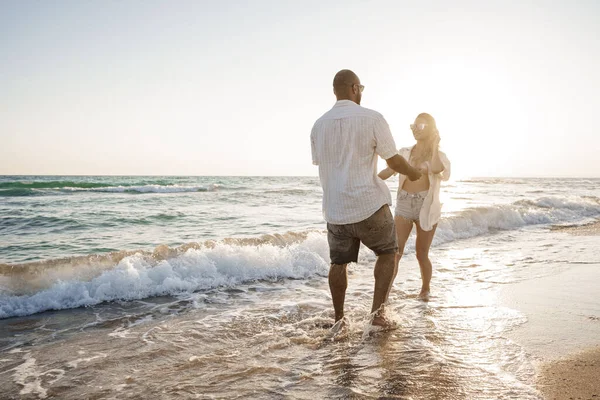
(414, 174)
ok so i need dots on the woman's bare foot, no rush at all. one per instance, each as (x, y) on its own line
(424, 295)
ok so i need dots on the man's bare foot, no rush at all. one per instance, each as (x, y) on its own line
(339, 324)
(424, 295)
(379, 320)
(339, 330)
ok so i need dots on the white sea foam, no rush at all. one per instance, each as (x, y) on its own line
(32, 378)
(231, 263)
(137, 277)
(547, 210)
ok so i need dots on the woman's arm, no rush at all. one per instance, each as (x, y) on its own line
(436, 164)
(386, 173)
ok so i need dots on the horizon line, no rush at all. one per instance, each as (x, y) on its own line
(282, 176)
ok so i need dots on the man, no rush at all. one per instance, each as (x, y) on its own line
(345, 144)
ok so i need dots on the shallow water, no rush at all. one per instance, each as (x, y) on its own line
(270, 339)
(250, 318)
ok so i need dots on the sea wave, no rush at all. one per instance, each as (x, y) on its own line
(173, 188)
(20, 192)
(54, 184)
(127, 275)
(527, 181)
(63, 187)
(545, 210)
(46, 188)
(166, 272)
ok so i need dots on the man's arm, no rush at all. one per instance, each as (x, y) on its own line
(399, 164)
(313, 148)
(385, 147)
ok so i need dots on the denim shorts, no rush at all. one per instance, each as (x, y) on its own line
(377, 232)
(408, 205)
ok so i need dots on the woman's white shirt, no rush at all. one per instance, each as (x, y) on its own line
(432, 207)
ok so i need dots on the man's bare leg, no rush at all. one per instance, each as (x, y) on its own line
(384, 274)
(403, 228)
(338, 282)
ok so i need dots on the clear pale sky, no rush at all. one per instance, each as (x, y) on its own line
(233, 88)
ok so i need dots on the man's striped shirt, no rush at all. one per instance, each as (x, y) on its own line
(345, 143)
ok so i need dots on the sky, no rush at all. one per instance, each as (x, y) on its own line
(234, 87)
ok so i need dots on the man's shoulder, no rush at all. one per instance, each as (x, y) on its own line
(371, 113)
(325, 115)
(328, 115)
(351, 111)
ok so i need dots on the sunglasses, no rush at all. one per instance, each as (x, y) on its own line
(418, 127)
(360, 87)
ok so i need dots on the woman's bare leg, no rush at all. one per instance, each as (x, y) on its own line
(423, 243)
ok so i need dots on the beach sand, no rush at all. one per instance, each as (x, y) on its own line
(573, 377)
(563, 329)
(591, 229)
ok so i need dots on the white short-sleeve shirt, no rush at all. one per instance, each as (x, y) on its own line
(345, 144)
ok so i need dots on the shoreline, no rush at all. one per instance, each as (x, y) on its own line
(563, 322)
(572, 377)
(589, 229)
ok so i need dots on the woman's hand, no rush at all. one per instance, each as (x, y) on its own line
(435, 143)
(436, 162)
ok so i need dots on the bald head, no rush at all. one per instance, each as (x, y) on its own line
(345, 86)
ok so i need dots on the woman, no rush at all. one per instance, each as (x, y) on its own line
(418, 202)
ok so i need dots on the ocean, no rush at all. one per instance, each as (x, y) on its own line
(215, 287)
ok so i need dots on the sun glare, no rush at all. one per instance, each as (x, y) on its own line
(475, 105)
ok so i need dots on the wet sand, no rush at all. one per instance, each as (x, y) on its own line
(591, 229)
(576, 376)
(562, 333)
(566, 370)
(573, 377)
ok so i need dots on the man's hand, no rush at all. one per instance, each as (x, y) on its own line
(399, 164)
(414, 174)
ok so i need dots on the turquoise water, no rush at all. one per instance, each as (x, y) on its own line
(51, 217)
(47, 217)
